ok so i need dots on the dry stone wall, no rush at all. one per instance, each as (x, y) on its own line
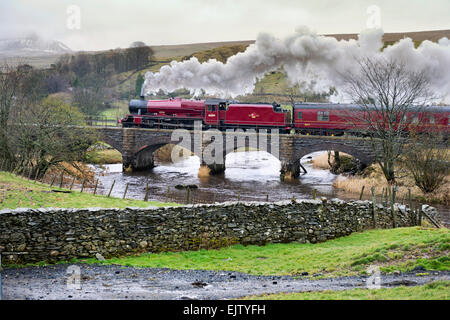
(33, 235)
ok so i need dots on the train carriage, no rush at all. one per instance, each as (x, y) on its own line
(305, 118)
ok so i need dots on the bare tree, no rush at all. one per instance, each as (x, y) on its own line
(428, 160)
(10, 97)
(48, 132)
(389, 98)
(89, 101)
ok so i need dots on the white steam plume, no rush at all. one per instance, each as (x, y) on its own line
(304, 57)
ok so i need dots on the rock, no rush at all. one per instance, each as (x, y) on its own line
(184, 186)
(199, 284)
(54, 253)
(99, 257)
(143, 244)
(418, 269)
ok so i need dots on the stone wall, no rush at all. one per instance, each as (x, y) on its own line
(33, 235)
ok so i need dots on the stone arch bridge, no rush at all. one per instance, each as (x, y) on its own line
(138, 145)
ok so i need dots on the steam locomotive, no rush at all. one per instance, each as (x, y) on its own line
(305, 118)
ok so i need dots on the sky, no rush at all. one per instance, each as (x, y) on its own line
(108, 24)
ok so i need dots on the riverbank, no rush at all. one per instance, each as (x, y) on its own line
(18, 192)
(373, 177)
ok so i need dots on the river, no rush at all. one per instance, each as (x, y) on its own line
(249, 176)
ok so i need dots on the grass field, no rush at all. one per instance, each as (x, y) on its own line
(108, 156)
(16, 192)
(400, 249)
(438, 290)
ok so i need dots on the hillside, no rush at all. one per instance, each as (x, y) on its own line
(393, 37)
(165, 52)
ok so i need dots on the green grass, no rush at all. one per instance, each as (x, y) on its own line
(393, 249)
(16, 192)
(438, 290)
(107, 156)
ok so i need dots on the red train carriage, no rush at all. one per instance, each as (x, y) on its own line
(229, 114)
(335, 119)
(307, 118)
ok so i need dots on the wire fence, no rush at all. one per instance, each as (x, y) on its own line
(102, 122)
(64, 184)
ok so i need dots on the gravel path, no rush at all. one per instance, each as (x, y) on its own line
(117, 282)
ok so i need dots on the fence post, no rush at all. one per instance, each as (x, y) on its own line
(214, 198)
(392, 192)
(36, 176)
(82, 185)
(62, 180)
(71, 185)
(267, 197)
(362, 192)
(110, 190)
(314, 194)
(188, 195)
(95, 188)
(53, 180)
(125, 193)
(413, 216)
(374, 207)
(167, 194)
(419, 216)
(146, 192)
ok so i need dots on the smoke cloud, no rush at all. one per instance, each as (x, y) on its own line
(306, 58)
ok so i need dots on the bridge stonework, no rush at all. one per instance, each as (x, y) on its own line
(137, 146)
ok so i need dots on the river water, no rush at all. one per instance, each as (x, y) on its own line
(249, 176)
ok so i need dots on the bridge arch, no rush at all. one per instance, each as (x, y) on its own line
(356, 153)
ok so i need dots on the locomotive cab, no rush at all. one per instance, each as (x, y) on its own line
(215, 111)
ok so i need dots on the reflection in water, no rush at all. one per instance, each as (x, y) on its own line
(252, 176)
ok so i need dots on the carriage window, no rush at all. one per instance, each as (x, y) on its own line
(432, 120)
(211, 108)
(415, 119)
(299, 115)
(323, 116)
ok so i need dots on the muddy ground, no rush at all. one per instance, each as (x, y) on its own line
(118, 282)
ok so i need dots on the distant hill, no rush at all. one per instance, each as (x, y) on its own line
(188, 49)
(32, 46)
(42, 54)
(418, 36)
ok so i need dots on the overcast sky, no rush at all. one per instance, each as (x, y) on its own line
(106, 24)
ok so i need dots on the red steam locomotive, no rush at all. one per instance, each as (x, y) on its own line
(306, 118)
